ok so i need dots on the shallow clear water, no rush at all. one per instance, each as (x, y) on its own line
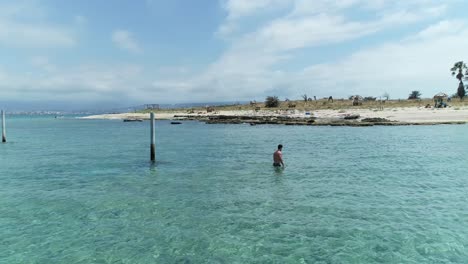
(83, 191)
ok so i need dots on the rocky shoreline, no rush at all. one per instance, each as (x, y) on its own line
(342, 117)
(305, 121)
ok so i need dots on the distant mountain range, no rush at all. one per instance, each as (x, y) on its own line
(168, 106)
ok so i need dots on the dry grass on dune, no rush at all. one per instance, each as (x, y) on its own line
(337, 104)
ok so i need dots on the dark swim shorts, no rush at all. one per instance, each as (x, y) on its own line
(277, 164)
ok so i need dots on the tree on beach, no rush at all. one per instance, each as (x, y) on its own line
(272, 101)
(461, 91)
(414, 95)
(457, 71)
(305, 97)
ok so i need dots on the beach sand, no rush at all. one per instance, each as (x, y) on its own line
(409, 114)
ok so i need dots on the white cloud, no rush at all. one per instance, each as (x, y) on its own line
(252, 66)
(289, 34)
(43, 63)
(21, 10)
(239, 9)
(3, 75)
(34, 35)
(84, 82)
(444, 27)
(292, 32)
(306, 7)
(420, 63)
(124, 40)
(304, 18)
(261, 57)
(22, 25)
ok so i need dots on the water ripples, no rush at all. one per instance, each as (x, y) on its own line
(84, 192)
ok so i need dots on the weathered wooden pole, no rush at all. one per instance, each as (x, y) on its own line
(153, 139)
(3, 127)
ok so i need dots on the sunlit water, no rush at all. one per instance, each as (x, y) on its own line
(83, 191)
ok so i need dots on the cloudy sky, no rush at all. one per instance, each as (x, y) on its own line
(123, 53)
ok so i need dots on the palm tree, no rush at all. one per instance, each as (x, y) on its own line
(457, 71)
(459, 67)
(461, 91)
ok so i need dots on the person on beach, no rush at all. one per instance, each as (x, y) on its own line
(278, 157)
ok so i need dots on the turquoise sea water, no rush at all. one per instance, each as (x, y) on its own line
(83, 191)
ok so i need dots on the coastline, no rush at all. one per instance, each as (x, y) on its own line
(342, 117)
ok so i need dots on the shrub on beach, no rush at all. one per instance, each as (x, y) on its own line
(370, 98)
(272, 101)
(414, 95)
(455, 95)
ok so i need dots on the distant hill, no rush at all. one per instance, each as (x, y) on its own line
(174, 106)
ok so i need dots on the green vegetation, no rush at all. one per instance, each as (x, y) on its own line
(338, 104)
(414, 95)
(457, 71)
(461, 91)
(272, 101)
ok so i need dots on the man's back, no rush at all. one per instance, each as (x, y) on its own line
(277, 156)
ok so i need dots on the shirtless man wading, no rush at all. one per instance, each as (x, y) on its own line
(278, 157)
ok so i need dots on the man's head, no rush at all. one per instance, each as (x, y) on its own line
(280, 147)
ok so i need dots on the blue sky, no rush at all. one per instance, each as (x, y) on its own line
(121, 53)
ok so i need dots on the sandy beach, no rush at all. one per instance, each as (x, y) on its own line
(408, 114)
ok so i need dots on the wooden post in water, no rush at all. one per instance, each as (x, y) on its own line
(3, 127)
(153, 139)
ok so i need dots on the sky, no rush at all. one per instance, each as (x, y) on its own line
(88, 54)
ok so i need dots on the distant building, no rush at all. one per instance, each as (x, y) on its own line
(152, 106)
